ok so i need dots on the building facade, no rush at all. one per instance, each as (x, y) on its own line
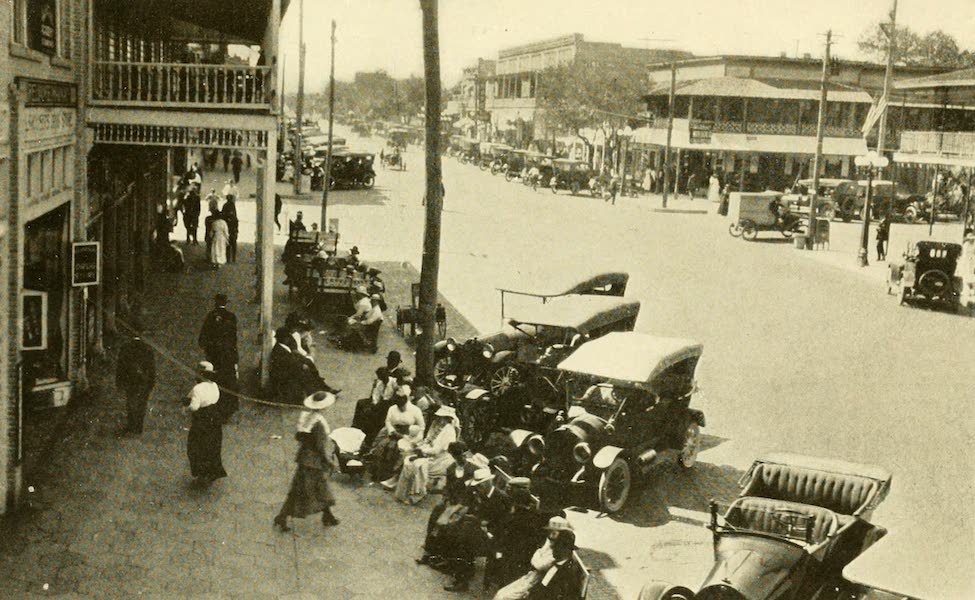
(511, 98)
(470, 101)
(754, 119)
(109, 100)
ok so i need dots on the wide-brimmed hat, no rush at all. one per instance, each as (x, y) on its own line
(559, 524)
(205, 366)
(446, 411)
(319, 400)
(481, 476)
(361, 290)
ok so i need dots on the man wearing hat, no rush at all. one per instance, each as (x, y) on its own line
(135, 376)
(218, 336)
(205, 439)
(465, 538)
(554, 574)
(362, 329)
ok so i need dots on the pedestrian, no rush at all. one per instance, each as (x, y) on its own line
(213, 201)
(883, 235)
(297, 225)
(456, 495)
(218, 336)
(278, 205)
(229, 213)
(219, 238)
(714, 188)
(163, 226)
(230, 190)
(236, 163)
(135, 376)
(725, 200)
(691, 183)
(226, 160)
(191, 214)
(316, 460)
(205, 439)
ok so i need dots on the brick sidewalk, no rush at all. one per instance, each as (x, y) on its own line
(116, 518)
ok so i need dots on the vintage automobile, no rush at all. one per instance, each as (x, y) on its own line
(572, 175)
(392, 157)
(548, 285)
(349, 170)
(850, 197)
(514, 164)
(636, 413)
(797, 523)
(798, 199)
(751, 213)
(891, 570)
(468, 150)
(492, 156)
(928, 274)
(499, 361)
(399, 136)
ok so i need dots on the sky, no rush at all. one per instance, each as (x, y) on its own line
(386, 34)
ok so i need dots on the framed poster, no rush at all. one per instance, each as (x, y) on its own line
(33, 314)
(85, 263)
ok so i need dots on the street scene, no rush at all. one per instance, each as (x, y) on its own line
(299, 310)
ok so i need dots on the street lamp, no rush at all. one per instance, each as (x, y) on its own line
(872, 161)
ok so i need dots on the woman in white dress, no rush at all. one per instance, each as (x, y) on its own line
(714, 189)
(220, 238)
(430, 458)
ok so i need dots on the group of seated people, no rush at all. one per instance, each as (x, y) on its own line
(412, 441)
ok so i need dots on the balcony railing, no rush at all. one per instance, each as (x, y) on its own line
(181, 85)
(961, 143)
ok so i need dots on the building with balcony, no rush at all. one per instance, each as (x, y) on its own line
(949, 138)
(510, 100)
(109, 101)
(754, 118)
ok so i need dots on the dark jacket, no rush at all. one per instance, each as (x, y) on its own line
(282, 374)
(229, 212)
(308, 377)
(316, 450)
(218, 337)
(564, 584)
(136, 365)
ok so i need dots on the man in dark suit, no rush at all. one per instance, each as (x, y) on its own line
(135, 376)
(283, 366)
(218, 337)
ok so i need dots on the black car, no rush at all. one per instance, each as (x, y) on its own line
(928, 274)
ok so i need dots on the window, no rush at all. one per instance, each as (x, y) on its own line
(41, 25)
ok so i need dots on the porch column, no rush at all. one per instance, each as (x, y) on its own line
(266, 223)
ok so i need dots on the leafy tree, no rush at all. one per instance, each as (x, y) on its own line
(934, 49)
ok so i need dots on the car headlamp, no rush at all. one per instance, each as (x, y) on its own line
(451, 344)
(487, 351)
(581, 452)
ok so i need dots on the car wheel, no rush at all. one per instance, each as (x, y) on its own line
(477, 421)
(575, 188)
(509, 176)
(664, 591)
(503, 379)
(484, 166)
(735, 229)
(749, 231)
(614, 486)
(368, 181)
(934, 284)
(442, 370)
(692, 445)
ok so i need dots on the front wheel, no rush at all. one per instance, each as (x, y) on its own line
(368, 181)
(614, 486)
(443, 373)
(503, 379)
(749, 231)
(484, 166)
(691, 446)
(734, 229)
(509, 176)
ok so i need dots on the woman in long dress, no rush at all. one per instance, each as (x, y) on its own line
(714, 189)
(205, 439)
(386, 455)
(430, 459)
(219, 239)
(310, 492)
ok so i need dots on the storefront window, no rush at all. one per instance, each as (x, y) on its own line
(45, 270)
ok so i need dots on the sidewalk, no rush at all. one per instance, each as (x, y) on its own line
(116, 518)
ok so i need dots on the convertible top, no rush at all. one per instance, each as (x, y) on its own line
(831, 465)
(560, 283)
(630, 356)
(891, 565)
(582, 313)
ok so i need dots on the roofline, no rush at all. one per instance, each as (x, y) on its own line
(719, 58)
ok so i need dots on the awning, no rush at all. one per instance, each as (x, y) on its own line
(774, 89)
(747, 142)
(933, 159)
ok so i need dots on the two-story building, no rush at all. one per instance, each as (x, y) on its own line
(754, 119)
(471, 100)
(511, 100)
(110, 99)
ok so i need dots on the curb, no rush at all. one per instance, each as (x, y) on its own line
(680, 211)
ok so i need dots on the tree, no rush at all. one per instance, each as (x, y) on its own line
(934, 49)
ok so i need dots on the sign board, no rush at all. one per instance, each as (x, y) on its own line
(33, 315)
(85, 263)
(700, 131)
(42, 92)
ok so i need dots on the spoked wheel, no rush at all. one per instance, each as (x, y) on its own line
(787, 233)
(509, 176)
(735, 229)
(614, 486)
(503, 379)
(442, 372)
(749, 231)
(477, 421)
(368, 181)
(692, 445)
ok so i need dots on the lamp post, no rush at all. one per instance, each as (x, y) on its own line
(871, 160)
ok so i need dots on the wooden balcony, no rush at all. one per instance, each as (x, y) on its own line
(961, 143)
(175, 85)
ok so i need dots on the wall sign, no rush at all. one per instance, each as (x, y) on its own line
(85, 263)
(41, 92)
(700, 131)
(33, 314)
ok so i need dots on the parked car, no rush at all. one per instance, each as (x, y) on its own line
(637, 412)
(751, 213)
(798, 199)
(797, 523)
(928, 274)
(887, 196)
(498, 361)
(572, 175)
(352, 170)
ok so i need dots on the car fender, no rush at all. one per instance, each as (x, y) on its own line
(605, 457)
(440, 347)
(695, 415)
(662, 590)
(502, 356)
(518, 436)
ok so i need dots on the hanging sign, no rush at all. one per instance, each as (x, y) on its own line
(85, 263)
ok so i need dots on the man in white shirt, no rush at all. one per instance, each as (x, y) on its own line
(230, 189)
(362, 328)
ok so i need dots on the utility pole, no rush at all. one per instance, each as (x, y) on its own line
(670, 129)
(888, 75)
(300, 108)
(283, 120)
(331, 119)
(820, 128)
(434, 197)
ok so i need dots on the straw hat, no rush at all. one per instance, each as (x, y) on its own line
(481, 475)
(559, 524)
(446, 411)
(205, 367)
(319, 400)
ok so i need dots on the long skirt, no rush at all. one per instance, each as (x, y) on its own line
(386, 457)
(411, 487)
(203, 445)
(309, 493)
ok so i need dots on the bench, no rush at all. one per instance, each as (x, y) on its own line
(842, 487)
(410, 315)
(779, 517)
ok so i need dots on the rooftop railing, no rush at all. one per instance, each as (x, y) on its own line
(960, 143)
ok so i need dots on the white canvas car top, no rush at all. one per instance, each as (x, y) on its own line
(630, 356)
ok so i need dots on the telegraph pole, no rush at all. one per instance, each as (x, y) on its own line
(300, 108)
(331, 120)
(888, 75)
(820, 128)
(670, 129)
(434, 197)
